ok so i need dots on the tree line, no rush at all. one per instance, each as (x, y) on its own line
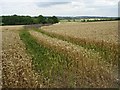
(27, 20)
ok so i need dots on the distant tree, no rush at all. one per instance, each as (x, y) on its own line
(35, 20)
(73, 20)
(55, 19)
(117, 18)
(50, 20)
(69, 20)
(26, 20)
(41, 19)
(83, 20)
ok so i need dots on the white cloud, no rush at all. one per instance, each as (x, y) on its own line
(60, 7)
(49, 4)
(7, 1)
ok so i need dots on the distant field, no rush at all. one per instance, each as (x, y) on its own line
(11, 27)
(69, 54)
(106, 31)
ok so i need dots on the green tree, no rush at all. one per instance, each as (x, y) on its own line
(41, 19)
(49, 20)
(26, 20)
(55, 19)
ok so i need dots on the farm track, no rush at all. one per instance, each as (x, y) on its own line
(16, 63)
(93, 72)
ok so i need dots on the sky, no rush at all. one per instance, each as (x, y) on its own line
(59, 7)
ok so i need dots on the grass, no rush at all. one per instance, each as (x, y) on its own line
(50, 64)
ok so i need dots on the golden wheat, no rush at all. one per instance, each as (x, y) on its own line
(16, 63)
(89, 67)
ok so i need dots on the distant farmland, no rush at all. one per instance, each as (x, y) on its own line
(67, 55)
(106, 31)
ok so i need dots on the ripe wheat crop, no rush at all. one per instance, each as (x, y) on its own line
(98, 36)
(76, 55)
(85, 63)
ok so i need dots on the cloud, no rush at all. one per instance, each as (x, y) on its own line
(8, 1)
(60, 7)
(49, 4)
(53, 0)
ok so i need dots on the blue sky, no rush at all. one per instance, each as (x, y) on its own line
(60, 7)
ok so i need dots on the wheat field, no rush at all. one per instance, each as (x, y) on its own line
(67, 55)
(106, 31)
